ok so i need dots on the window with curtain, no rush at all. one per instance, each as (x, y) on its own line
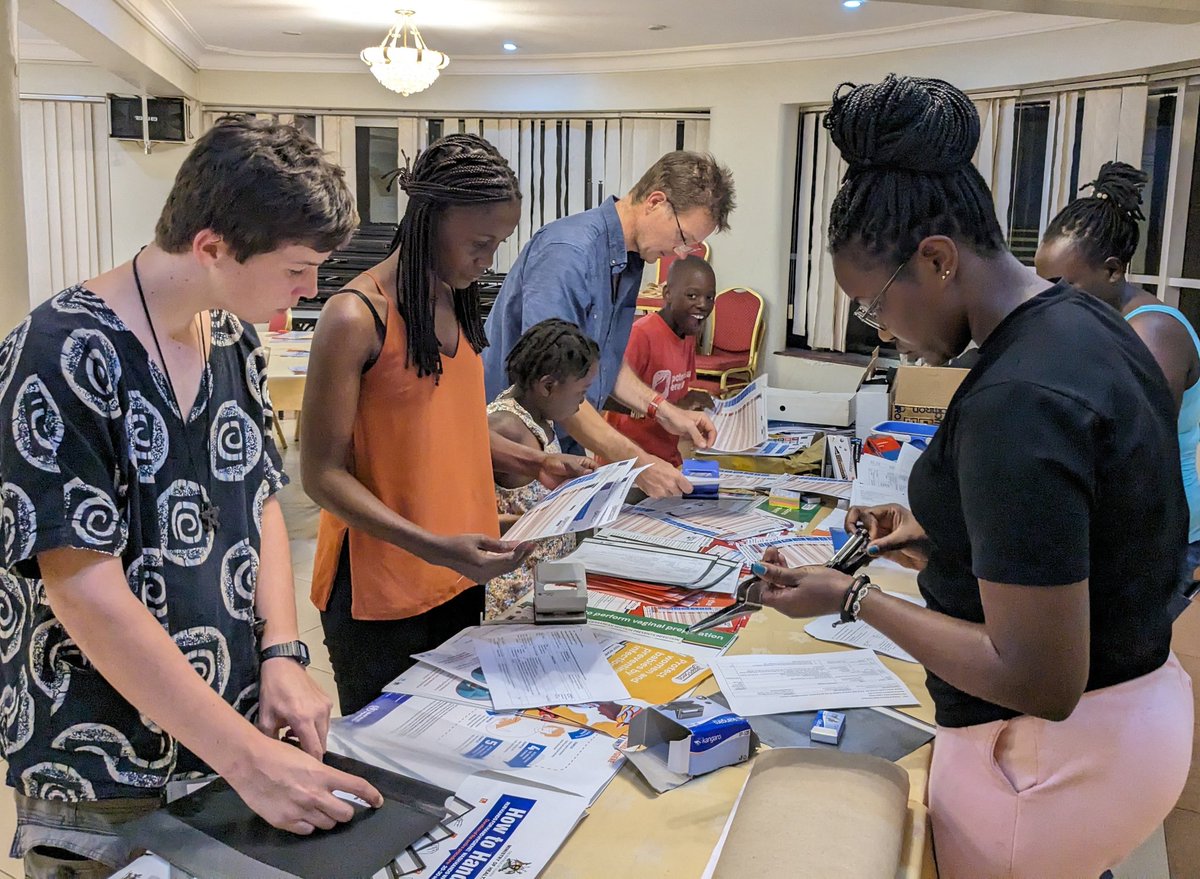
(1023, 222)
(68, 211)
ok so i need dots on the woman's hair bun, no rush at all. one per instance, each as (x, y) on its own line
(1122, 185)
(904, 123)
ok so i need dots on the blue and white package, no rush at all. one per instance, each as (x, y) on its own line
(828, 727)
(693, 735)
(705, 477)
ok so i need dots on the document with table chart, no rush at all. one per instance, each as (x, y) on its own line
(741, 420)
(772, 684)
(589, 501)
(548, 665)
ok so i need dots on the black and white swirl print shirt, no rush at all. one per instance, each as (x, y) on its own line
(95, 457)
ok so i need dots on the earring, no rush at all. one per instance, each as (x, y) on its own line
(946, 275)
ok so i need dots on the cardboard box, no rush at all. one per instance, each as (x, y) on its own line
(921, 393)
(692, 736)
(819, 392)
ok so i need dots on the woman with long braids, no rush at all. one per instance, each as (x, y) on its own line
(1064, 721)
(396, 447)
(1090, 244)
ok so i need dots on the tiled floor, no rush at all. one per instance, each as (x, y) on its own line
(1182, 829)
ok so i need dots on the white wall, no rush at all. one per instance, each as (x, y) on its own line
(139, 183)
(753, 110)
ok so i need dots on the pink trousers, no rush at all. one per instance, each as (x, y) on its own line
(1035, 799)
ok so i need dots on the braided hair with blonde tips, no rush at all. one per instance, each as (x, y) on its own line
(459, 169)
(1105, 223)
(908, 144)
(554, 348)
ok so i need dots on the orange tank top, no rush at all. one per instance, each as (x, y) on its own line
(423, 449)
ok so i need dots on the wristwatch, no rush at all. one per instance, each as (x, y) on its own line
(296, 650)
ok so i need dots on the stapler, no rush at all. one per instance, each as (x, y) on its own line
(559, 593)
(853, 554)
(746, 601)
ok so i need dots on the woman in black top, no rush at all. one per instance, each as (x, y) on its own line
(1046, 532)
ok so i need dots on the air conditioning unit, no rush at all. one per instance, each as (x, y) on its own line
(150, 120)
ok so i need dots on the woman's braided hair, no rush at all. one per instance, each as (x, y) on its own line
(458, 169)
(1105, 223)
(908, 144)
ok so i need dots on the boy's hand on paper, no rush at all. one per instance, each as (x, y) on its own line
(478, 557)
(290, 698)
(558, 468)
(896, 534)
(696, 401)
(695, 426)
(291, 790)
(660, 479)
(809, 591)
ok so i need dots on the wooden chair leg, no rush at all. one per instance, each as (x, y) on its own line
(296, 432)
(279, 433)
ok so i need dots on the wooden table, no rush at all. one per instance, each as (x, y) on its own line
(285, 381)
(631, 831)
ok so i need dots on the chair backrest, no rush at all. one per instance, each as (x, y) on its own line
(701, 250)
(737, 313)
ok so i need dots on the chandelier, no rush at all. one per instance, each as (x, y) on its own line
(402, 62)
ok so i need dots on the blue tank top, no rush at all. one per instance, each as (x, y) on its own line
(1189, 424)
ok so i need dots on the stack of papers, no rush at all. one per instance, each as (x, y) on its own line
(588, 501)
(669, 567)
(741, 420)
(796, 551)
(443, 743)
(636, 526)
(808, 682)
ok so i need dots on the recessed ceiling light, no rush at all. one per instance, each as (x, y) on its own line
(510, 46)
(294, 33)
(659, 27)
(852, 4)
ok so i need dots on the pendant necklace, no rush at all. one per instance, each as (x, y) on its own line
(210, 513)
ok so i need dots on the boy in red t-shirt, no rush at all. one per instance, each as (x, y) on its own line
(662, 352)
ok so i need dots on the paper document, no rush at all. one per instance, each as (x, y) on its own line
(436, 683)
(550, 665)
(443, 743)
(589, 501)
(807, 682)
(741, 420)
(672, 636)
(632, 525)
(877, 483)
(859, 634)
(838, 488)
(510, 830)
(796, 551)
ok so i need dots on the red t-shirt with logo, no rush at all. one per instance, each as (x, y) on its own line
(667, 364)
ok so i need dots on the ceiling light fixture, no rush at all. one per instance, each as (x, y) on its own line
(510, 46)
(658, 27)
(853, 4)
(402, 62)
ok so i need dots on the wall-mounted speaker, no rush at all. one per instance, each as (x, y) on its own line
(165, 119)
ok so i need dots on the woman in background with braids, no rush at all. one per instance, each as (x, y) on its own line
(396, 447)
(1090, 245)
(550, 370)
(1064, 721)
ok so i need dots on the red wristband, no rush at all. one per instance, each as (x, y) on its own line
(652, 409)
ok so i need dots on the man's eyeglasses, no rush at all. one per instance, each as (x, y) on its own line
(869, 314)
(684, 249)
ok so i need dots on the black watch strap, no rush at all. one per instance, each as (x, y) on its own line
(296, 650)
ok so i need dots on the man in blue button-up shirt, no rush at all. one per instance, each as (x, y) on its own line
(587, 269)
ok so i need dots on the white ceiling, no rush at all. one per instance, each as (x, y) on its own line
(553, 35)
(468, 28)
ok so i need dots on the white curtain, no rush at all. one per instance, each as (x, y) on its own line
(994, 155)
(336, 135)
(820, 309)
(68, 209)
(1114, 126)
(1060, 153)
